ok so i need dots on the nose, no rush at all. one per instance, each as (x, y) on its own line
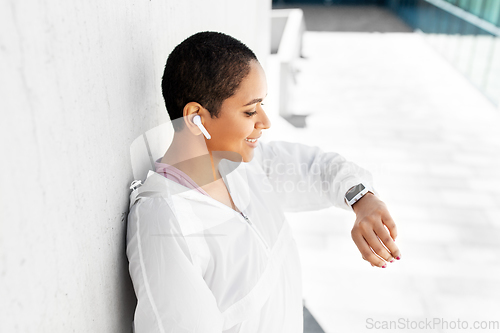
(263, 121)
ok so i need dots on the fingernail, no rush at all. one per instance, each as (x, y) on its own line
(384, 266)
(398, 258)
(392, 260)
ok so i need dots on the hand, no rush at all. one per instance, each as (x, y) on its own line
(375, 243)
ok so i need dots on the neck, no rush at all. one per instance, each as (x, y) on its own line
(190, 154)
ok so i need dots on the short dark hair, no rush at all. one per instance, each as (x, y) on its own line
(206, 68)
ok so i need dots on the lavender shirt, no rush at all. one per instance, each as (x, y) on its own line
(176, 175)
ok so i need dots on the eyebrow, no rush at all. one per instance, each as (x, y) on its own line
(253, 101)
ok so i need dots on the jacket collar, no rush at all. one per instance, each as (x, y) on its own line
(234, 176)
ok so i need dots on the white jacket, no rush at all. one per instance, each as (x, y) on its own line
(199, 266)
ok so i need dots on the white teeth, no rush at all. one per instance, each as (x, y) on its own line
(251, 140)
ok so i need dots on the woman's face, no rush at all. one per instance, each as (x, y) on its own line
(241, 117)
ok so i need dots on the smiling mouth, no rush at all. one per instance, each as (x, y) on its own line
(253, 140)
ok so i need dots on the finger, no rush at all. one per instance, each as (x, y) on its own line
(375, 243)
(369, 262)
(390, 224)
(365, 250)
(387, 241)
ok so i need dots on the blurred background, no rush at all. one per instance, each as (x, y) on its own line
(409, 90)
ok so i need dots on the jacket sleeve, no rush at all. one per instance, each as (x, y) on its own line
(306, 178)
(172, 295)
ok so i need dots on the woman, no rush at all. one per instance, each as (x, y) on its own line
(209, 247)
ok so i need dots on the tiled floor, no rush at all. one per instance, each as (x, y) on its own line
(390, 103)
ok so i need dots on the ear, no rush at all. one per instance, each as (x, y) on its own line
(190, 110)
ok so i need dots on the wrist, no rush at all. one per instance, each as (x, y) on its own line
(356, 205)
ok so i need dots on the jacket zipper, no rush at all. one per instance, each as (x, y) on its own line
(255, 231)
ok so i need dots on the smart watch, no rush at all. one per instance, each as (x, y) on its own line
(355, 193)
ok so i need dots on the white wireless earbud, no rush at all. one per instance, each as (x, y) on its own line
(197, 122)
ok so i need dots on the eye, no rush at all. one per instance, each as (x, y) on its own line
(251, 113)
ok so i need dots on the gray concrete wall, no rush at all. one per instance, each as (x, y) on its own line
(79, 81)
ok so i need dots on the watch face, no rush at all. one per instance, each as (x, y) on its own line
(354, 191)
